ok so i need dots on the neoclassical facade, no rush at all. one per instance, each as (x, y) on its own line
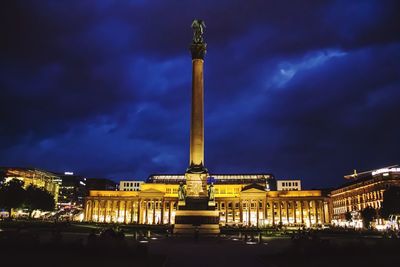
(363, 190)
(245, 200)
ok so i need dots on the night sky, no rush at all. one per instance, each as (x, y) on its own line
(102, 88)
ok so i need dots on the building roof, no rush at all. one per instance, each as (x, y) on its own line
(388, 173)
(215, 178)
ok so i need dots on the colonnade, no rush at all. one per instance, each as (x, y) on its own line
(140, 211)
(264, 212)
(256, 212)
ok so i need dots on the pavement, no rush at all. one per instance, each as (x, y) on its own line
(214, 251)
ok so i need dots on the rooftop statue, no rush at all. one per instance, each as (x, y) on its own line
(181, 192)
(211, 192)
(198, 30)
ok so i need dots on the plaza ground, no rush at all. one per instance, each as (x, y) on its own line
(46, 244)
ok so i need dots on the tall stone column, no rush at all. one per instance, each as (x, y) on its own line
(196, 175)
(194, 206)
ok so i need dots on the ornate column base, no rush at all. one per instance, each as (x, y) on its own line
(190, 221)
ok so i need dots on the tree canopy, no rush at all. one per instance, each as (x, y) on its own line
(38, 199)
(368, 215)
(391, 200)
(14, 196)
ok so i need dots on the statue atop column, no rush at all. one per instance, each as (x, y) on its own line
(198, 26)
(198, 46)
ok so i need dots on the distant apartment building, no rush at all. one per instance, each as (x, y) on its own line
(130, 185)
(72, 190)
(288, 185)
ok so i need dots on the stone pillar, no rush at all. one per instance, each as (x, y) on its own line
(197, 120)
(258, 212)
(88, 209)
(287, 211)
(98, 210)
(265, 211)
(154, 211)
(132, 210)
(105, 211)
(273, 212)
(169, 212)
(294, 211)
(249, 213)
(91, 210)
(280, 211)
(241, 211)
(139, 218)
(309, 213)
(146, 220)
(162, 211)
(301, 211)
(234, 212)
(119, 209)
(316, 211)
(125, 202)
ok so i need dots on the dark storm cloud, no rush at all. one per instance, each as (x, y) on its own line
(303, 90)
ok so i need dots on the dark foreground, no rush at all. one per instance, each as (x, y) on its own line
(87, 246)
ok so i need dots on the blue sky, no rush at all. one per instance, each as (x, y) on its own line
(304, 90)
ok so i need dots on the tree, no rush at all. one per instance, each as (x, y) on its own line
(12, 195)
(391, 202)
(348, 216)
(38, 199)
(368, 215)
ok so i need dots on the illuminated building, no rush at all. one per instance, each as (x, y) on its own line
(130, 185)
(32, 176)
(362, 190)
(241, 199)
